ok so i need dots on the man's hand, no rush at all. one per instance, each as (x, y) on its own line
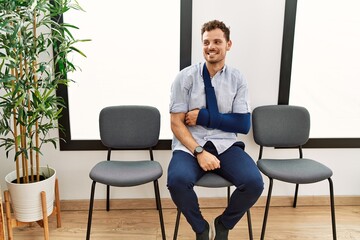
(191, 117)
(207, 161)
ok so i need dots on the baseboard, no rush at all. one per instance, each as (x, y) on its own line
(167, 203)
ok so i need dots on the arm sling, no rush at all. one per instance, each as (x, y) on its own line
(210, 116)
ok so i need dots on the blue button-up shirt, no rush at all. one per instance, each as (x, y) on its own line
(188, 93)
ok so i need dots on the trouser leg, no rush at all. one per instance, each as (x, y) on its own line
(235, 165)
(241, 170)
(183, 172)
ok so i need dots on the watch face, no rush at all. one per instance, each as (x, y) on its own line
(198, 150)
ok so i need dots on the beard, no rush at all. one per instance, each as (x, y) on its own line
(215, 58)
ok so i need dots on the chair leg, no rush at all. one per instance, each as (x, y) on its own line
(90, 210)
(177, 223)
(295, 196)
(249, 224)
(332, 203)
(266, 209)
(158, 204)
(228, 195)
(107, 198)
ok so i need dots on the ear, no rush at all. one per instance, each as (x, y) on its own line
(228, 45)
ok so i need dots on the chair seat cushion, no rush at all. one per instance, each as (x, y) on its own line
(294, 170)
(126, 173)
(212, 180)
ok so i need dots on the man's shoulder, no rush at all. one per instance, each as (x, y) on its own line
(187, 76)
(191, 70)
(234, 73)
(232, 70)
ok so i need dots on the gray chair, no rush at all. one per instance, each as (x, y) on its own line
(212, 180)
(128, 128)
(284, 126)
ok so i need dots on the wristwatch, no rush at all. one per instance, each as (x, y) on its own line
(198, 150)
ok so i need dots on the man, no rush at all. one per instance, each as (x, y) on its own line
(205, 126)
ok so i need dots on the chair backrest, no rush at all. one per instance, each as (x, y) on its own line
(281, 125)
(129, 126)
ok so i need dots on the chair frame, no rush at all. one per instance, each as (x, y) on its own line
(112, 143)
(178, 215)
(266, 213)
(157, 197)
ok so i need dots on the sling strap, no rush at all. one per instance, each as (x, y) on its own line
(211, 103)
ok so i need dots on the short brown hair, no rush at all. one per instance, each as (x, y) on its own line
(214, 24)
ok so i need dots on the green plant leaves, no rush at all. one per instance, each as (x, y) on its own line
(29, 30)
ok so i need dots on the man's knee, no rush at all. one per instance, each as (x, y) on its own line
(256, 187)
(253, 187)
(179, 183)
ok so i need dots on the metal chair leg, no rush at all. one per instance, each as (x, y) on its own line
(177, 223)
(228, 195)
(107, 198)
(91, 206)
(158, 204)
(266, 209)
(248, 215)
(332, 203)
(295, 196)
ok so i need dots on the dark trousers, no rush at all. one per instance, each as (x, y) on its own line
(235, 165)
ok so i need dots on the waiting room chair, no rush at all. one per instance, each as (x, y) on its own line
(128, 128)
(284, 126)
(212, 180)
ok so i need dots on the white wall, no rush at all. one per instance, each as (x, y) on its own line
(256, 30)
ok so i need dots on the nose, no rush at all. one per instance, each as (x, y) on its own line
(211, 46)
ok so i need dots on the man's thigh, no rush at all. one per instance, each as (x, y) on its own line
(184, 167)
(237, 166)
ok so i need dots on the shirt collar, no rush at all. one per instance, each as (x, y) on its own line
(202, 65)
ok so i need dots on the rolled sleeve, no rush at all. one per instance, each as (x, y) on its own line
(241, 101)
(179, 96)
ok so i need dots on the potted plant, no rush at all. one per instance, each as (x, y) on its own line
(29, 107)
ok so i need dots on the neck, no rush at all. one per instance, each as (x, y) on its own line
(213, 68)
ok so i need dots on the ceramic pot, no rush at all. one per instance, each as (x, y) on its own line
(26, 197)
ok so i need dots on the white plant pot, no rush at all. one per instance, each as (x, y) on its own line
(26, 198)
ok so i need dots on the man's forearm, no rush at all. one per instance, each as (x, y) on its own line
(181, 131)
(228, 122)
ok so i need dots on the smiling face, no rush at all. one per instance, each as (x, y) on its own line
(215, 46)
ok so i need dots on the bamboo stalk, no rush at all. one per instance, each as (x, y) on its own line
(16, 134)
(23, 128)
(30, 139)
(36, 82)
(15, 131)
(24, 159)
(26, 66)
